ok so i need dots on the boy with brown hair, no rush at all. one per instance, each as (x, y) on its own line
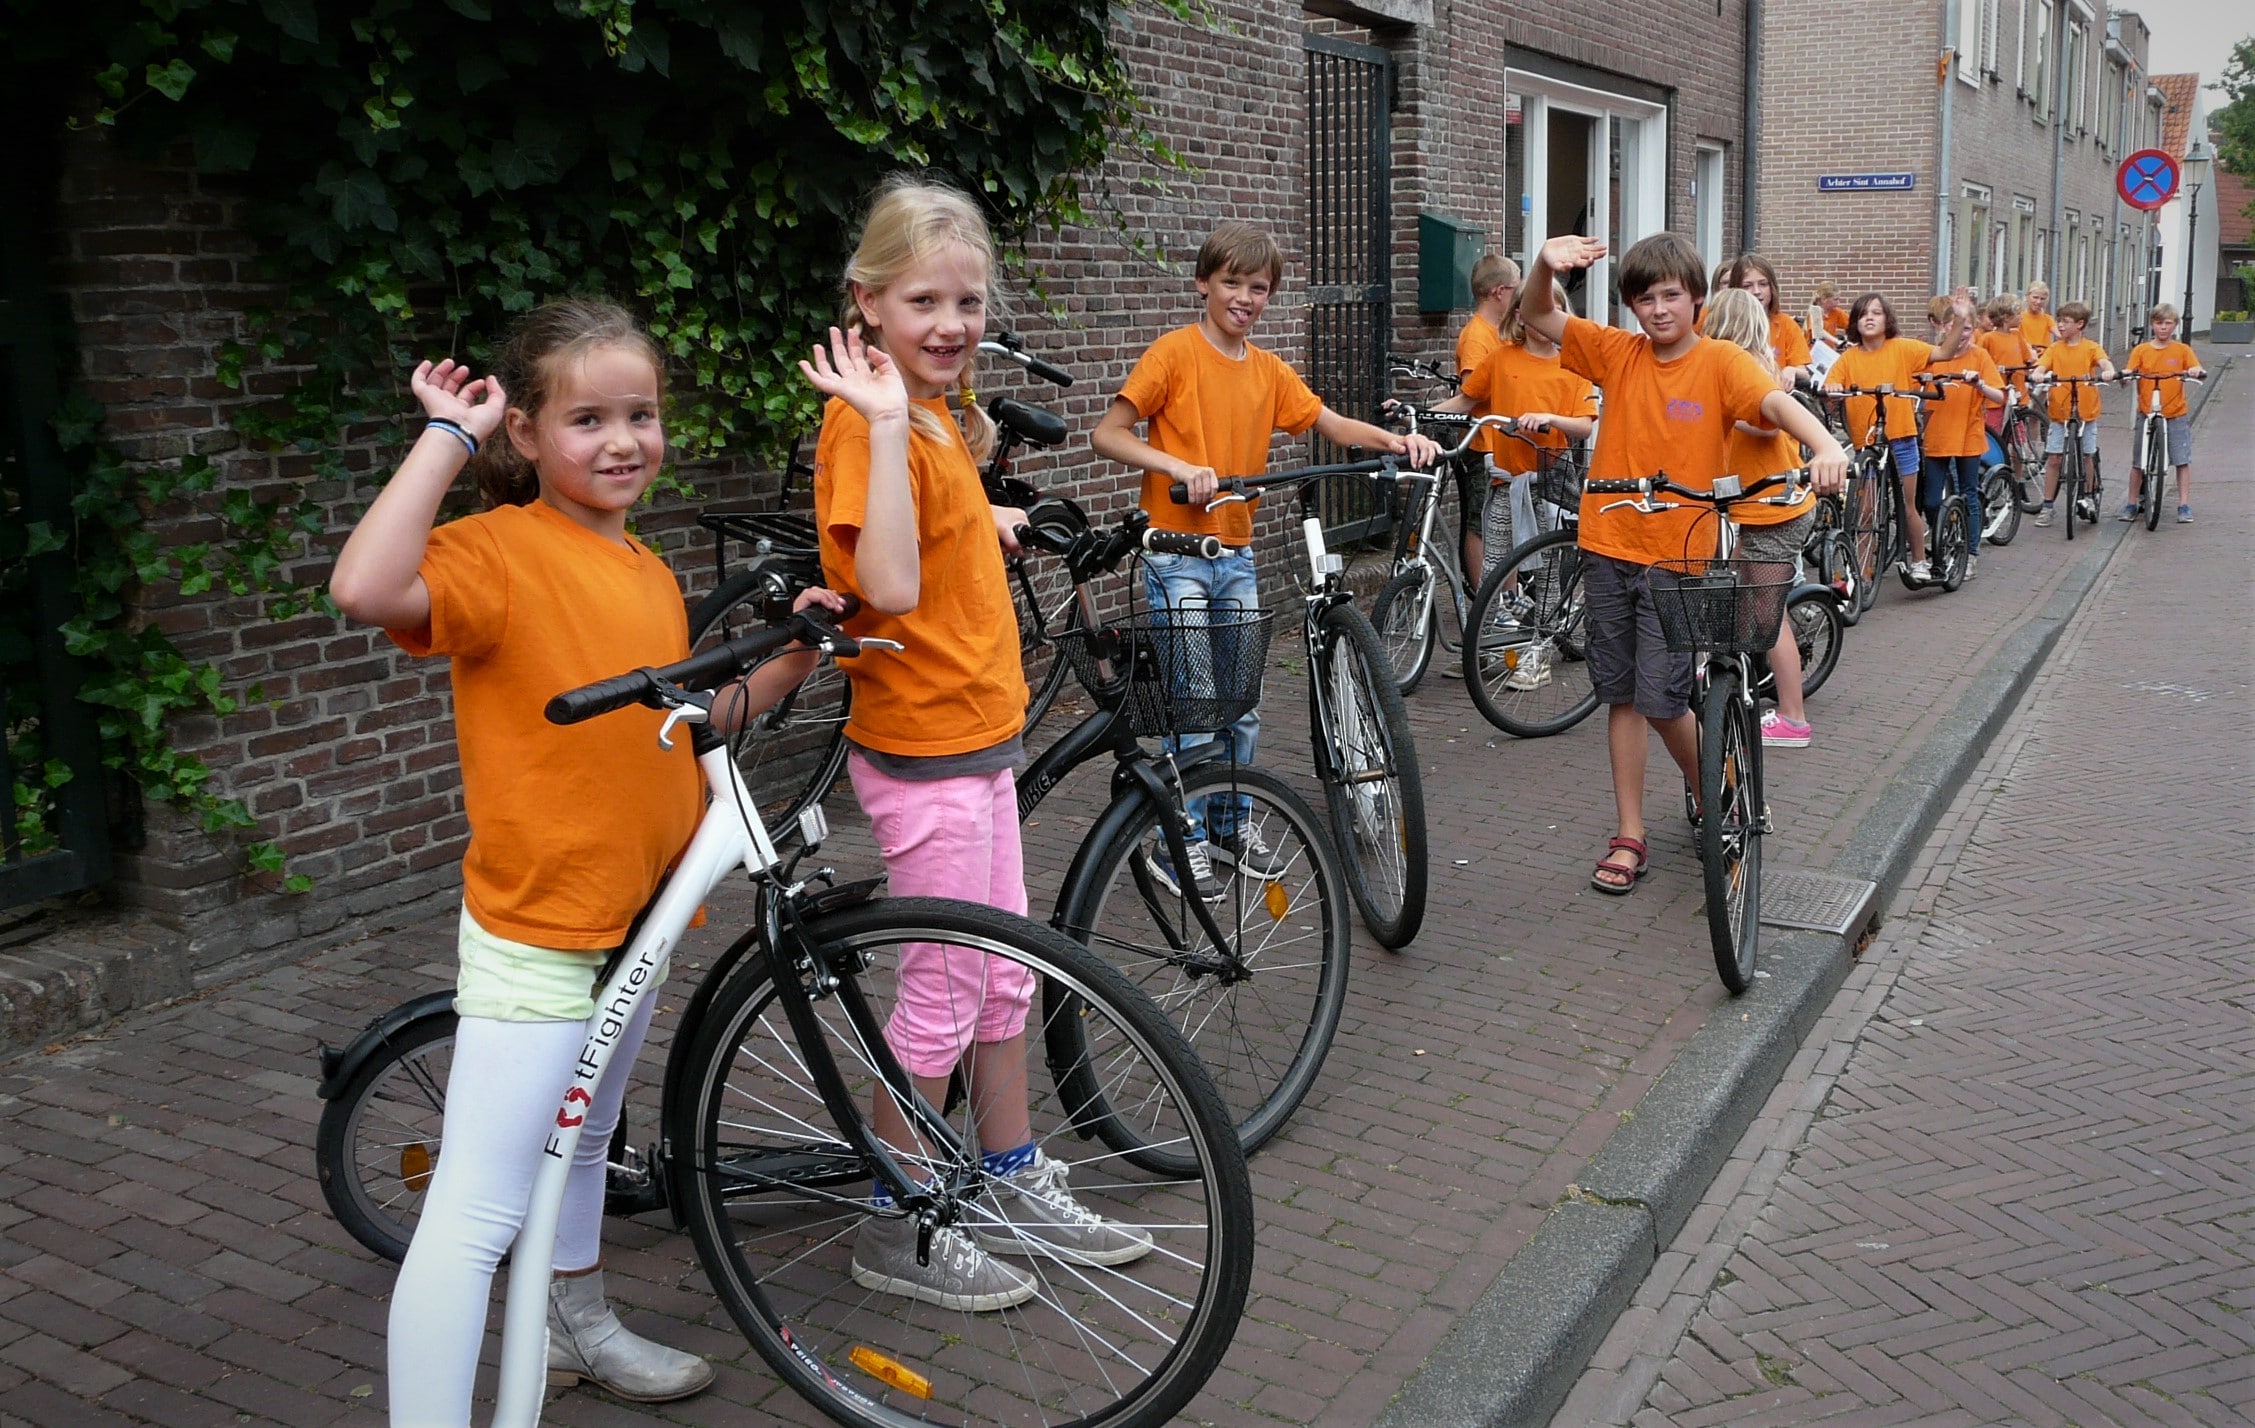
(1671, 400)
(2072, 355)
(1209, 402)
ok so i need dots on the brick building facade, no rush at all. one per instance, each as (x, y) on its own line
(1913, 148)
(345, 756)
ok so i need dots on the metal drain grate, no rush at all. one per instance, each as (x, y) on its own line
(1820, 902)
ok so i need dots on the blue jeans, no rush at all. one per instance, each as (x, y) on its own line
(1192, 582)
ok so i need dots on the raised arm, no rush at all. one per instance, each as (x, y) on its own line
(1562, 254)
(378, 576)
(887, 557)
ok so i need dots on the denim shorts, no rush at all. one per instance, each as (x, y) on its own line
(1905, 449)
(1629, 658)
(2180, 440)
(2055, 438)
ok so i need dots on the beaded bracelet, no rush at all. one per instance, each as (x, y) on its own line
(453, 430)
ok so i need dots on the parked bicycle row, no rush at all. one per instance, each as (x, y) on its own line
(909, 1214)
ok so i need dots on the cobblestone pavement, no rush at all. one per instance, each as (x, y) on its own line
(2008, 1180)
(165, 1257)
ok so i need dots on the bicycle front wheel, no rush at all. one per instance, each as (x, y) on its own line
(1262, 1009)
(1730, 827)
(781, 1210)
(1950, 544)
(2071, 478)
(1368, 764)
(2024, 448)
(1524, 647)
(794, 752)
(1818, 633)
(1407, 619)
(2156, 466)
(1867, 533)
(2000, 508)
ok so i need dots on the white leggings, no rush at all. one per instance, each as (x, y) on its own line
(501, 1099)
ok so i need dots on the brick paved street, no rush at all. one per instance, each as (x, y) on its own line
(165, 1257)
(2007, 1180)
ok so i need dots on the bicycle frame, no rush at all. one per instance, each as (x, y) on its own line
(729, 836)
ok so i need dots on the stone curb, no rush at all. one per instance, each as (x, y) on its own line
(1512, 1358)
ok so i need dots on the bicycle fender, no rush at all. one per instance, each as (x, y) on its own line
(1811, 587)
(338, 1067)
(1126, 804)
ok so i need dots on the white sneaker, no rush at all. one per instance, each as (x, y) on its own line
(1035, 1214)
(956, 1275)
(1921, 570)
(1532, 671)
(1972, 563)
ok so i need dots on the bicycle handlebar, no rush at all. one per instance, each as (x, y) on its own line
(1179, 492)
(1413, 415)
(1884, 389)
(1720, 498)
(704, 669)
(1012, 346)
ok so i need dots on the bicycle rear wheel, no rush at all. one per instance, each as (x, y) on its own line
(1524, 646)
(780, 1196)
(1048, 586)
(1950, 544)
(792, 754)
(1368, 764)
(1407, 619)
(1730, 826)
(1260, 1011)
(379, 1138)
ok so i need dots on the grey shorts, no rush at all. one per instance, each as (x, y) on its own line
(1782, 542)
(1629, 659)
(2055, 438)
(2180, 441)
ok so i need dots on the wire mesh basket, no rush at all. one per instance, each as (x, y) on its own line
(1558, 480)
(1185, 671)
(1731, 606)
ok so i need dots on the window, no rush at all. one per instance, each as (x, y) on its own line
(1973, 253)
(1989, 10)
(1968, 59)
(2041, 92)
(2074, 76)
(2110, 108)
(1707, 201)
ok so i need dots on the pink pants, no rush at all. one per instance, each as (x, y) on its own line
(950, 837)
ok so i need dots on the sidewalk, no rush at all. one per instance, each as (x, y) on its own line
(2006, 1180)
(165, 1257)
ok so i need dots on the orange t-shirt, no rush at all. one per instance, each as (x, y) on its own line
(2154, 357)
(958, 686)
(1660, 417)
(1836, 322)
(2007, 349)
(2039, 330)
(1896, 364)
(1954, 425)
(1752, 457)
(1475, 344)
(1513, 381)
(570, 827)
(1788, 341)
(1206, 407)
(2080, 358)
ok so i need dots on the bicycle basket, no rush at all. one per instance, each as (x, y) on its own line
(1193, 671)
(1559, 481)
(1729, 606)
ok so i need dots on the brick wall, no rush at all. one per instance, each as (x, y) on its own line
(346, 754)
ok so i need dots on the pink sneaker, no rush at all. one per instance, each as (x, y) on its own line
(1779, 732)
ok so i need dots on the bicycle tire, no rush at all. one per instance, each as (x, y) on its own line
(1819, 631)
(792, 754)
(1407, 618)
(1368, 763)
(1263, 1025)
(779, 1193)
(2071, 475)
(1046, 672)
(2000, 508)
(2024, 449)
(1730, 833)
(2156, 466)
(1531, 608)
(379, 1138)
(1867, 531)
(1950, 546)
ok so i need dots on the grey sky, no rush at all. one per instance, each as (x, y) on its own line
(2195, 35)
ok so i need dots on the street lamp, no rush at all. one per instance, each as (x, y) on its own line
(2197, 158)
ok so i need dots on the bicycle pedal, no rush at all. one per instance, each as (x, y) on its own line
(1768, 824)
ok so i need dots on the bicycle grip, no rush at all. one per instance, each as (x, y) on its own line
(1182, 543)
(1611, 486)
(1057, 375)
(574, 705)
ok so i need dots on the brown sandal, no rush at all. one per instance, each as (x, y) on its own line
(1631, 872)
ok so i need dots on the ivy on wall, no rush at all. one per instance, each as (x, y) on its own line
(419, 171)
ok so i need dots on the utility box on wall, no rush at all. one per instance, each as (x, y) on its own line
(1446, 251)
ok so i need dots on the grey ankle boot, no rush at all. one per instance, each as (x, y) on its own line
(587, 1341)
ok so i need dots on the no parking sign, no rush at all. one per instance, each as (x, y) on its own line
(2147, 179)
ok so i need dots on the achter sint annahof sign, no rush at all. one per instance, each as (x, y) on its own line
(1866, 183)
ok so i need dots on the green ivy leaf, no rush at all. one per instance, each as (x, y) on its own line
(171, 79)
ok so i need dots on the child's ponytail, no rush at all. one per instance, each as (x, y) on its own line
(525, 362)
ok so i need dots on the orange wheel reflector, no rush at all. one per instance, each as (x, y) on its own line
(415, 1167)
(891, 1371)
(1511, 659)
(1273, 898)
